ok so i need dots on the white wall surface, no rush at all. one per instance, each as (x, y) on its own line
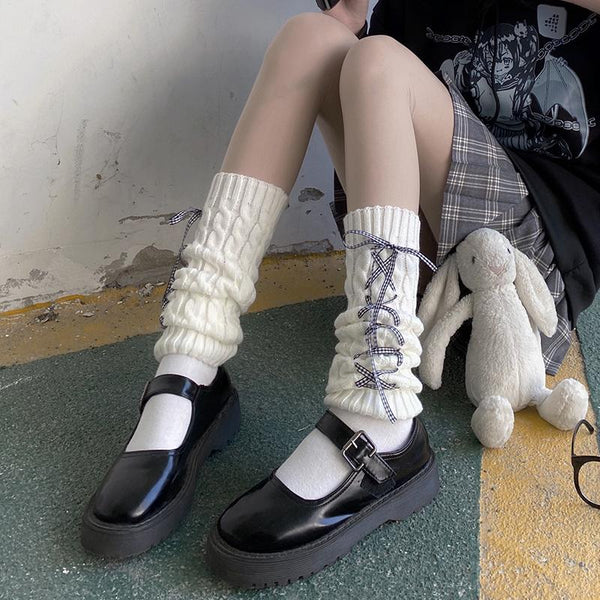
(113, 116)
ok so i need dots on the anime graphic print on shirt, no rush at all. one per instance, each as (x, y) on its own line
(528, 98)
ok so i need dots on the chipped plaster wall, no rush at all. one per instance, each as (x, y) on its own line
(114, 116)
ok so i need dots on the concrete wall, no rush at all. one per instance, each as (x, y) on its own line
(116, 114)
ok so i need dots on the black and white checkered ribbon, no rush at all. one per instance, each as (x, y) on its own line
(194, 213)
(385, 267)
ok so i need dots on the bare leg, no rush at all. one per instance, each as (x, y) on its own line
(409, 99)
(407, 134)
(383, 111)
(271, 137)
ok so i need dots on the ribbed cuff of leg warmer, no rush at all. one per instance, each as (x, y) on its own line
(217, 285)
(404, 403)
(401, 227)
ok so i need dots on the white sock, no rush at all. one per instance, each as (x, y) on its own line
(316, 454)
(166, 417)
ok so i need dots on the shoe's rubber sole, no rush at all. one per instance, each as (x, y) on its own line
(258, 570)
(122, 540)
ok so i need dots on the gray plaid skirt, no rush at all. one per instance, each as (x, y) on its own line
(484, 189)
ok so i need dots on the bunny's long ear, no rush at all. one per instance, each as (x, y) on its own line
(441, 293)
(534, 294)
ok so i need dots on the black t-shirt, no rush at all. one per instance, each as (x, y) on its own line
(543, 105)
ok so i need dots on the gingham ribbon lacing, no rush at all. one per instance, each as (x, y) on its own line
(385, 267)
(194, 213)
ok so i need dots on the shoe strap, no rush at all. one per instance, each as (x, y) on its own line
(169, 383)
(356, 446)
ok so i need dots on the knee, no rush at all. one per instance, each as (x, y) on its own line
(309, 34)
(375, 58)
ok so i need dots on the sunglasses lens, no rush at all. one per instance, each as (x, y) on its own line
(589, 481)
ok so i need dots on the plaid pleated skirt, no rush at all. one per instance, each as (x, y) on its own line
(483, 189)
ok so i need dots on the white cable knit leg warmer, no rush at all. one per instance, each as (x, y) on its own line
(401, 227)
(217, 285)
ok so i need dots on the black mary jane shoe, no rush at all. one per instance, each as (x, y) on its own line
(146, 493)
(271, 536)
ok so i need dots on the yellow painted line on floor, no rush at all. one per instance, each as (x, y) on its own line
(77, 322)
(83, 298)
(538, 539)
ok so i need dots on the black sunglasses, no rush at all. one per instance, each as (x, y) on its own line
(581, 472)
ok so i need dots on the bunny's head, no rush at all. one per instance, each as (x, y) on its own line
(484, 259)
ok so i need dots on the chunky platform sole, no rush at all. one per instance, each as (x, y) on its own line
(258, 570)
(120, 540)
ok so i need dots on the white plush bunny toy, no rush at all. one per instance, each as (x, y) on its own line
(510, 304)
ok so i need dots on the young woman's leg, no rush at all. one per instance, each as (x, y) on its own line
(368, 460)
(268, 145)
(386, 89)
(271, 137)
(433, 153)
(389, 131)
(260, 167)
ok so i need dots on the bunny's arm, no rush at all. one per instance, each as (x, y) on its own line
(434, 346)
(535, 295)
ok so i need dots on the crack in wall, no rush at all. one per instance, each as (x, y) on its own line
(166, 216)
(310, 247)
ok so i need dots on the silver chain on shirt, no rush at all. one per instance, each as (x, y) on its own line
(568, 37)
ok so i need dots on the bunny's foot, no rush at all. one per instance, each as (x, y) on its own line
(565, 405)
(493, 421)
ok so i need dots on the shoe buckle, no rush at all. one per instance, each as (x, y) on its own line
(141, 402)
(354, 450)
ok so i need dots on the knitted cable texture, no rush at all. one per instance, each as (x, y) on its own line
(349, 385)
(218, 282)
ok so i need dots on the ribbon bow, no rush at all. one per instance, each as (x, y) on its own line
(194, 213)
